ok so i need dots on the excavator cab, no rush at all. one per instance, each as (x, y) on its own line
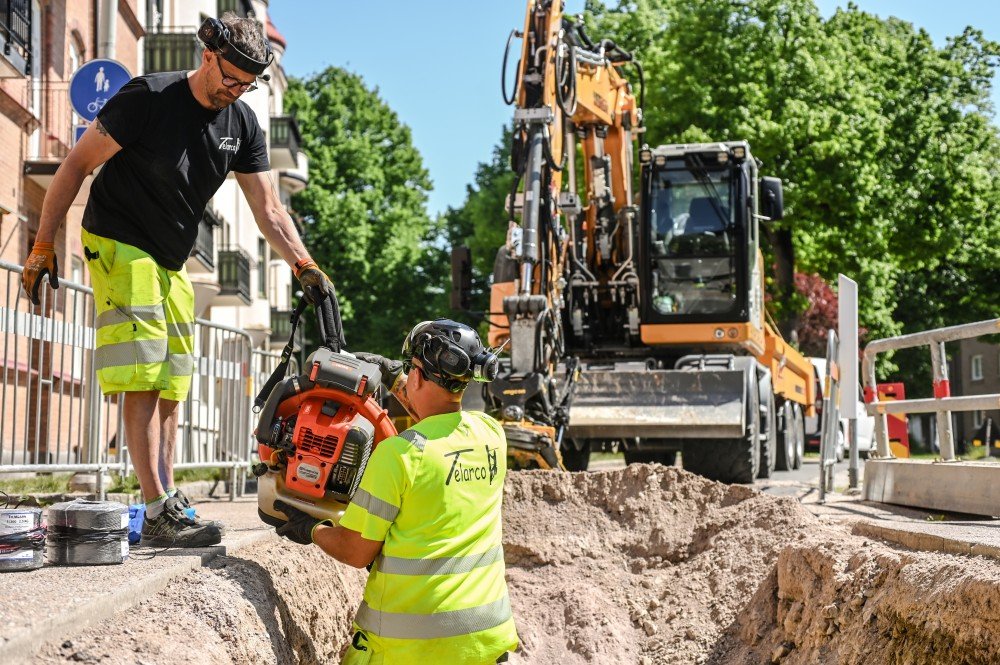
(699, 241)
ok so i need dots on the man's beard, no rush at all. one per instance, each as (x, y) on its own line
(219, 99)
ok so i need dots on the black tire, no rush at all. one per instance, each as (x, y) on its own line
(785, 460)
(573, 459)
(769, 434)
(800, 436)
(730, 460)
(664, 457)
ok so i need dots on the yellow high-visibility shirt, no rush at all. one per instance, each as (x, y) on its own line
(436, 592)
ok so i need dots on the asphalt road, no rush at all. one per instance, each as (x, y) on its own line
(782, 483)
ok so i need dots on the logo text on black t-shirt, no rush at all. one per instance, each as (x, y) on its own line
(227, 143)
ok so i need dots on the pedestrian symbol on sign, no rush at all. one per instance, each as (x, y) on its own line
(93, 84)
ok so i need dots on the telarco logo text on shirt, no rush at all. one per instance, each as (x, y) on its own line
(227, 144)
(461, 473)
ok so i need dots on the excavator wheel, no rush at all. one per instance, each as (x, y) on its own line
(786, 439)
(664, 457)
(800, 436)
(729, 460)
(768, 430)
(573, 459)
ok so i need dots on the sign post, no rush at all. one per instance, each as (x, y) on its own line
(847, 324)
(93, 84)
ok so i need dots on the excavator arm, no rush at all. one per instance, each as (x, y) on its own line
(569, 257)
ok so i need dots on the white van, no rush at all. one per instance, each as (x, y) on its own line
(866, 423)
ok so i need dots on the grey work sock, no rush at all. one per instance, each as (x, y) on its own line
(155, 507)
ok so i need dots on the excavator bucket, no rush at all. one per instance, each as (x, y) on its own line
(671, 404)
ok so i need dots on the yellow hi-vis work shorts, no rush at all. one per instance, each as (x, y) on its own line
(145, 320)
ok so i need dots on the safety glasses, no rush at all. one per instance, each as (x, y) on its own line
(408, 366)
(231, 82)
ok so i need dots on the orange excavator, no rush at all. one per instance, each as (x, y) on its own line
(634, 323)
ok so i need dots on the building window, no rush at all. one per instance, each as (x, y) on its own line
(262, 267)
(976, 369)
(977, 419)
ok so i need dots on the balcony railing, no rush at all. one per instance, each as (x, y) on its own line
(281, 325)
(204, 245)
(15, 33)
(285, 142)
(234, 273)
(241, 8)
(172, 51)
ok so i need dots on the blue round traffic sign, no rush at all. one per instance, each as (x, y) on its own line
(94, 83)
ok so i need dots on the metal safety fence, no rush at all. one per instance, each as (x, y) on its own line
(942, 404)
(55, 419)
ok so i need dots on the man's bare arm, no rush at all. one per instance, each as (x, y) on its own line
(346, 545)
(272, 218)
(94, 148)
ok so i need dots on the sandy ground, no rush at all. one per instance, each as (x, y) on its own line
(644, 564)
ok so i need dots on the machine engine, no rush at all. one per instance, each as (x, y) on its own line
(315, 435)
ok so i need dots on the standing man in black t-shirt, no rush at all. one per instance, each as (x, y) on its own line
(167, 142)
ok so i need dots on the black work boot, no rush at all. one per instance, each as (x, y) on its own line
(172, 528)
(185, 502)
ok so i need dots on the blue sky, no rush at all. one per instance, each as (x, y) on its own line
(437, 62)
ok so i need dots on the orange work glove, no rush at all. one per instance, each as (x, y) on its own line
(40, 262)
(311, 277)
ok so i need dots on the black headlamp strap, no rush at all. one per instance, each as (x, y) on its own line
(245, 62)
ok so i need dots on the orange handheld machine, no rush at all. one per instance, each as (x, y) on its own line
(317, 429)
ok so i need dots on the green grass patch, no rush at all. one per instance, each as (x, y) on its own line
(40, 484)
(45, 483)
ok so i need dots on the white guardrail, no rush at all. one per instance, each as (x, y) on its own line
(942, 404)
(55, 419)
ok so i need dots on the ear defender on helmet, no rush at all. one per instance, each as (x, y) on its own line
(215, 35)
(452, 354)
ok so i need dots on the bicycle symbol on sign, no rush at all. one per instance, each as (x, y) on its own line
(97, 104)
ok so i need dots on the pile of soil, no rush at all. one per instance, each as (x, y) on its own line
(288, 604)
(641, 564)
(856, 602)
(645, 564)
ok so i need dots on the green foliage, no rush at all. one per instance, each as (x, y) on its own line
(364, 211)
(885, 143)
(481, 222)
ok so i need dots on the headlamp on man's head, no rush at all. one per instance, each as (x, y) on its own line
(215, 35)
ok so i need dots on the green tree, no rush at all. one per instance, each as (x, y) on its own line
(884, 141)
(480, 223)
(364, 212)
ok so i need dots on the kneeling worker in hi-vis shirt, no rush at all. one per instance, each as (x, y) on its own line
(427, 515)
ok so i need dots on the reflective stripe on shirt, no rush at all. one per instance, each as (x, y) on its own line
(401, 625)
(394, 565)
(414, 437)
(375, 505)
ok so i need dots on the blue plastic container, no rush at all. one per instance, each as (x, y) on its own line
(136, 515)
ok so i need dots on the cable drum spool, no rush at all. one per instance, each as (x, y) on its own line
(87, 533)
(22, 539)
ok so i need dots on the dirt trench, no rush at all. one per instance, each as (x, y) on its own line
(645, 564)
